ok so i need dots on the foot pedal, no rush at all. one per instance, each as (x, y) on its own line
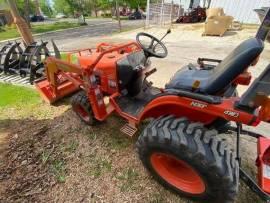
(129, 129)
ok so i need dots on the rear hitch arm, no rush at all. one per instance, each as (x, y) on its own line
(243, 175)
(253, 185)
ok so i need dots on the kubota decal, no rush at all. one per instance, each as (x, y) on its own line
(198, 105)
(231, 113)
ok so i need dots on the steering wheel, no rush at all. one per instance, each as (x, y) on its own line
(155, 48)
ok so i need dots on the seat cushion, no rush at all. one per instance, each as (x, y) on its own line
(186, 76)
(216, 80)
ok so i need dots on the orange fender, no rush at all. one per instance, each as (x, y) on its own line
(178, 106)
(197, 111)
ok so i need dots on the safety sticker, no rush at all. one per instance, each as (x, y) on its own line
(266, 171)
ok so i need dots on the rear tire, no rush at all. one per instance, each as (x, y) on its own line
(209, 170)
(81, 106)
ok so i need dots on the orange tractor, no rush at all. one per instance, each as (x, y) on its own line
(180, 146)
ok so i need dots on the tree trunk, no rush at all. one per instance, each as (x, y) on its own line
(38, 10)
(27, 13)
(118, 15)
(95, 9)
(21, 24)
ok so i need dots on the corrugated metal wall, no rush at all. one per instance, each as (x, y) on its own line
(241, 10)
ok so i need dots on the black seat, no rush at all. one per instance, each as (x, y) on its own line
(217, 79)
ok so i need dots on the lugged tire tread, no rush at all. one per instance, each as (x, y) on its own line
(209, 147)
(82, 99)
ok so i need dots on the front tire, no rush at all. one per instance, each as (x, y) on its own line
(81, 106)
(189, 159)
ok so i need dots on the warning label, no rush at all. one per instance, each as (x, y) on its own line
(266, 171)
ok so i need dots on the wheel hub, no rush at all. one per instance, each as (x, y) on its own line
(81, 111)
(178, 173)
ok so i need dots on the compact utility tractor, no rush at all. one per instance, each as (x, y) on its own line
(180, 146)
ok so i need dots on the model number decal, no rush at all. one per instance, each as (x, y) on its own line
(198, 105)
(231, 113)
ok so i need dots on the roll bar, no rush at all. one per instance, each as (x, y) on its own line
(264, 29)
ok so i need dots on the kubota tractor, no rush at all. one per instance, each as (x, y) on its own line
(180, 146)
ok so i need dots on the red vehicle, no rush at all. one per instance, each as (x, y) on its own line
(180, 146)
(195, 15)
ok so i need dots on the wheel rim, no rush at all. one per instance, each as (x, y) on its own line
(177, 173)
(82, 112)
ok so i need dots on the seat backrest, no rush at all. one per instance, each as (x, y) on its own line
(233, 65)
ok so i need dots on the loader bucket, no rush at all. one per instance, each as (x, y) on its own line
(263, 164)
(51, 94)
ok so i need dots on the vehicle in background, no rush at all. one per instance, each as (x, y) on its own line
(46, 17)
(194, 15)
(137, 15)
(60, 15)
(125, 12)
(37, 18)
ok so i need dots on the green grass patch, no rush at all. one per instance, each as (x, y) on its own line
(72, 146)
(99, 166)
(16, 96)
(59, 169)
(128, 178)
(11, 32)
(117, 141)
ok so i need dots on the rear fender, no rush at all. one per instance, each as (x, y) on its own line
(197, 110)
(175, 105)
(263, 163)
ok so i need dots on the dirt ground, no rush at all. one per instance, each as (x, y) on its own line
(48, 155)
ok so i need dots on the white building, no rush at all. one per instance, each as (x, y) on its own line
(241, 10)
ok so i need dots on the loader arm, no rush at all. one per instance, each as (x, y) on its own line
(55, 67)
(63, 78)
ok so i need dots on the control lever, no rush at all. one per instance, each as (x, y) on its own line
(147, 74)
(168, 32)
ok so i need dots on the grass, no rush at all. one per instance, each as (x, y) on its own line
(157, 198)
(72, 146)
(15, 96)
(58, 168)
(117, 141)
(45, 157)
(99, 166)
(129, 178)
(11, 32)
